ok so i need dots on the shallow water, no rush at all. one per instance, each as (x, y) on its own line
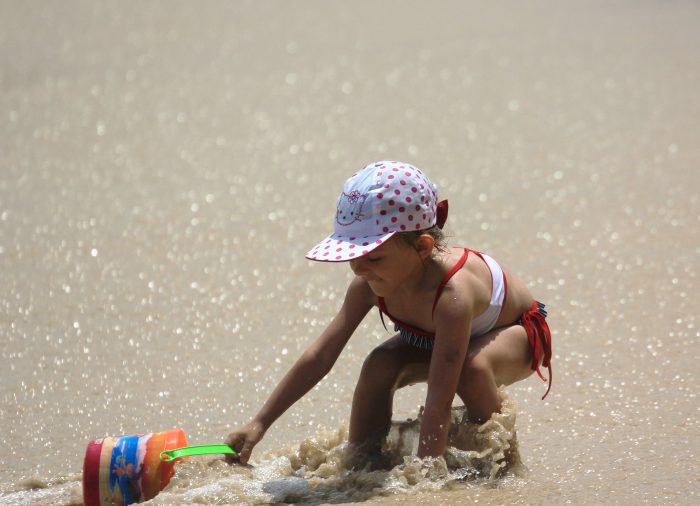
(165, 166)
(322, 469)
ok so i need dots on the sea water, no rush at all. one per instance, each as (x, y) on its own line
(322, 469)
(164, 166)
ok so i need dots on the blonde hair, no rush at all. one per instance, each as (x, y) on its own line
(411, 238)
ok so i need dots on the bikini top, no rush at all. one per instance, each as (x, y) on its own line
(483, 322)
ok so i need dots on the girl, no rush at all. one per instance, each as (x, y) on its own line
(465, 325)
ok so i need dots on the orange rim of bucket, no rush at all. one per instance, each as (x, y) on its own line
(174, 438)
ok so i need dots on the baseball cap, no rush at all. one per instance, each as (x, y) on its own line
(382, 199)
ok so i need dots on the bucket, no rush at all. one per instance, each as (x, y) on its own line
(123, 470)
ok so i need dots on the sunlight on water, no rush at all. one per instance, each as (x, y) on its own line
(319, 470)
(164, 166)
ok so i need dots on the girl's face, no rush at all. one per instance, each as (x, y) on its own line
(387, 267)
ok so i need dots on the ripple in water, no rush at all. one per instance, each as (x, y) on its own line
(322, 470)
(319, 470)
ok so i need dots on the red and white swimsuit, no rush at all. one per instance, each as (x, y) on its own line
(538, 332)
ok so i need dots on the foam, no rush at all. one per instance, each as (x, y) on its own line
(323, 469)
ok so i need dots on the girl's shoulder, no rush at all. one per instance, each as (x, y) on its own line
(458, 266)
(360, 293)
(466, 276)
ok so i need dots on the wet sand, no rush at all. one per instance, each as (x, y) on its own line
(165, 166)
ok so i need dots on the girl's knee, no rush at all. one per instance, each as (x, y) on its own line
(476, 373)
(477, 365)
(377, 357)
(381, 365)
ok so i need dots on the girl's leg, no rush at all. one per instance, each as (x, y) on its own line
(390, 366)
(500, 357)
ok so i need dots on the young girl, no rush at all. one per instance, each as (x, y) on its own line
(465, 325)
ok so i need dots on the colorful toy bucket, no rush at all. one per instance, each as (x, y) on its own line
(128, 469)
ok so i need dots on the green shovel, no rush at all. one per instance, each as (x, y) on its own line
(188, 451)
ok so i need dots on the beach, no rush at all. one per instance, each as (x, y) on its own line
(165, 166)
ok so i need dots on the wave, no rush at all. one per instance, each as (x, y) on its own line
(322, 469)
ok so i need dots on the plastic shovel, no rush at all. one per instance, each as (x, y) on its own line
(189, 451)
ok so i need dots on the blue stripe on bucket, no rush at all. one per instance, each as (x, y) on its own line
(124, 469)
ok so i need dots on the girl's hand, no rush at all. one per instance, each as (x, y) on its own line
(243, 439)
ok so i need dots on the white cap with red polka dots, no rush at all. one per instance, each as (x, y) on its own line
(377, 202)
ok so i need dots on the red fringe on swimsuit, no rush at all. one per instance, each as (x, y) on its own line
(534, 320)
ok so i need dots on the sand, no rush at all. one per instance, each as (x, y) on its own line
(164, 166)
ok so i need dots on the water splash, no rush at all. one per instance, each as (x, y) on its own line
(322, 469)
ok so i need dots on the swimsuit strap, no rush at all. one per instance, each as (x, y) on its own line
(460, 263)
(382, 304)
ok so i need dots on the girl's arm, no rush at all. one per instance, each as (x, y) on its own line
(453, 318)
(319, 357)
(316, 361)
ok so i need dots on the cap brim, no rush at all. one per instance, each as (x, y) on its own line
(342, 248)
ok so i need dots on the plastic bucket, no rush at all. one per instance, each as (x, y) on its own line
(128, 469)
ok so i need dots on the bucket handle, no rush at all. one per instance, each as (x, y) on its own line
(188, 451)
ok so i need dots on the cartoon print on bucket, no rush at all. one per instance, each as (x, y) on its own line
(128, 469)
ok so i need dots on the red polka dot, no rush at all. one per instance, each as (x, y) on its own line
(397, 192)
(325, 254)
(418, 208)
(364, 251)
(392, 202)
(390, 176)
(408, 174)
(352, 254)
(410, 217)
(395, 169)
(352, 238)
(394, 219)
(402, 209)
(402, 182)
(379, 173)
(403, 227)
(386, 229)
(417, 226)
(382, 212)
(379, 241)
(387, 185)
(351, 246)
(380, 195)
(365, 244)
(409, 199)
(339, 250)
(414, 189)
(327, 247)
(338, 257)
(425, 216)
